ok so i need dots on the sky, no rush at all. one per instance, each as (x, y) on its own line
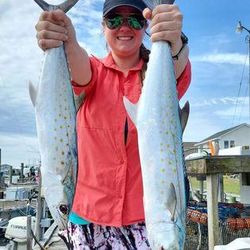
(218, 93)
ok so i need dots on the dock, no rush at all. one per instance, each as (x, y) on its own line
(212, 167)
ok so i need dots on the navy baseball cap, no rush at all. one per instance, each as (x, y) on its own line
(111, 4)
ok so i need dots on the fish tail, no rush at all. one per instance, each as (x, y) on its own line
(153, 3)
(65, 6)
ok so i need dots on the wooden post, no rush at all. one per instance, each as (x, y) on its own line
(10, 174)
(38, 233)
(201, 189)
(221, 188)
(21, 177)
(29, 235)
(212, 210)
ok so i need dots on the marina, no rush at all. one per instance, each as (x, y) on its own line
(22, 203)
(40, 156)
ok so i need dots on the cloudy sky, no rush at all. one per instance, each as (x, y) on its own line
(218, 94)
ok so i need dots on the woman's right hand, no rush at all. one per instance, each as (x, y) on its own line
(54, 28)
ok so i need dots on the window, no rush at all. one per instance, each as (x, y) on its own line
(232, 144)
(226, 144)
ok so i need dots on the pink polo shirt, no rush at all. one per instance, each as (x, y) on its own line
(109, 184)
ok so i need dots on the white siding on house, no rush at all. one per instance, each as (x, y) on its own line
(241, 137)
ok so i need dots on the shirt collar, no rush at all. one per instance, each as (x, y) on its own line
(108, 62)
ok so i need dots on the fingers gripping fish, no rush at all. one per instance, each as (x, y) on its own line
(55, 121)
(157, 119)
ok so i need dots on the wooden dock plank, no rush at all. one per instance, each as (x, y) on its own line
(219, 164)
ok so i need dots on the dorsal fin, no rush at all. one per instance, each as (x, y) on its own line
(65, 6)
(172, 201)
(132, 109)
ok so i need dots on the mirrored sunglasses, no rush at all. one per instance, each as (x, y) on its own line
(136, 22)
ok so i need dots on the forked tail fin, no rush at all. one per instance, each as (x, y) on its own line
(65, 6)
(152, 3)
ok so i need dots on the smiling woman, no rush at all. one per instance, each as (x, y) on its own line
(108, 207)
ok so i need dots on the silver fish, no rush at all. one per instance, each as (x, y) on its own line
(156, 117)
(56, 130)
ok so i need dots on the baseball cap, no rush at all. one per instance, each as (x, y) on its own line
(111, 4)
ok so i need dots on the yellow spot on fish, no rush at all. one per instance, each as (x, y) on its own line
(62, 153)
(168, 146)
(174, 170)
(61, 126)
(61, 140)
(65, 117)
(163, 170)
(60, 115)
(174, 151)
(166, 132)
(170, 162)
(62, 162)
(162, 160)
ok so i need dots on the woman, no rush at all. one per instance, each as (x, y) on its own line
(108, 210)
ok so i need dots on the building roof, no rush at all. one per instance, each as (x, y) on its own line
(221, 133)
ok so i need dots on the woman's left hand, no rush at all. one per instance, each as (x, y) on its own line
(166, 25)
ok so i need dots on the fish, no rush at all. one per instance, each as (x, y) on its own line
(160, 128)
(55, 114)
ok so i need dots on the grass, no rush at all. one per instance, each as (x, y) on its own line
(231, 185)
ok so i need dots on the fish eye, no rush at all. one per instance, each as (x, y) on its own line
(63, 209)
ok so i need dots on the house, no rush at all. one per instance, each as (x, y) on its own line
(228, 138)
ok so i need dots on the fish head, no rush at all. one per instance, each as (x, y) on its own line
(165, 236)
(60, 215)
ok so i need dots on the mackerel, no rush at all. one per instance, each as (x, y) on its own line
(156, 117)
(56, 128)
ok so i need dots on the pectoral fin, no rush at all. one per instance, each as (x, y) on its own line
(172, 201)
(33, 93)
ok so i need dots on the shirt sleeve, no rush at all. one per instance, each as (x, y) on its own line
(79, 89)
(184, 80)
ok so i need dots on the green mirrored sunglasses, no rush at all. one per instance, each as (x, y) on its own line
(136, 22)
